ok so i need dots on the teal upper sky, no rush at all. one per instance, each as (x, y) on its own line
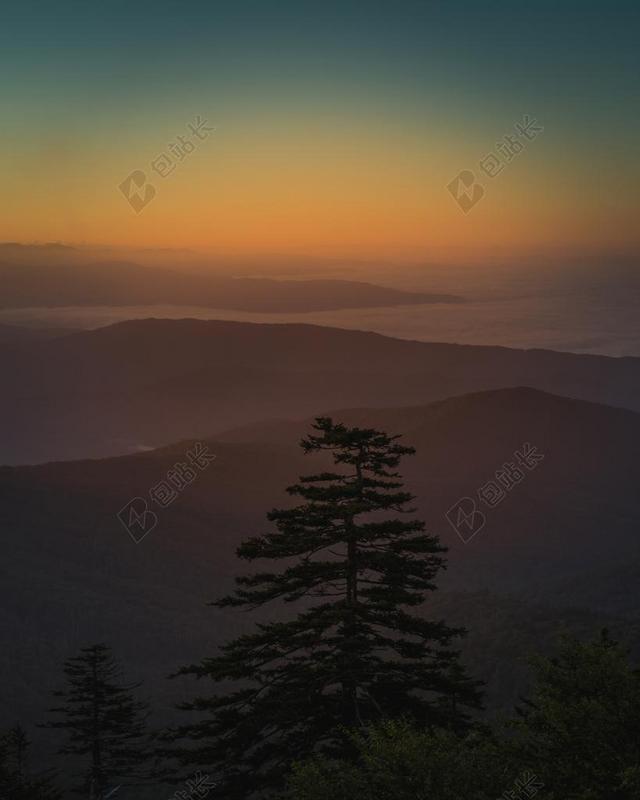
(486, 54)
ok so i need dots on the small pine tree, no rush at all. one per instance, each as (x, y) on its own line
(16, 781)
(359, 651)
(105, 724)
(580, 730)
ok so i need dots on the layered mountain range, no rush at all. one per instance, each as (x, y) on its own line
(143, 384)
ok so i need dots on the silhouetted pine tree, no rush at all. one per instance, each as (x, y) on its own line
(105, 724)
(359, 650)
(16, 781)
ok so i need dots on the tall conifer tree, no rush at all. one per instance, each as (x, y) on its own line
(105, 724)
(361, 646)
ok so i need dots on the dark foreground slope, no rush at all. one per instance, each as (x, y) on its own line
(145, 384)
(548, 553)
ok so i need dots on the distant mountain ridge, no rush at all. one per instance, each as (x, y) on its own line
(150, 382)
(122, 283)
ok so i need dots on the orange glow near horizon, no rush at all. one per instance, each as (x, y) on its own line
(353, 195)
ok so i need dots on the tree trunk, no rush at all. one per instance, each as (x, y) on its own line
(350, 684)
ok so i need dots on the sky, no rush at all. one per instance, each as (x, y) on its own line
(365, 130)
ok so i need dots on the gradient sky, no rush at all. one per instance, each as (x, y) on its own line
(338, 125)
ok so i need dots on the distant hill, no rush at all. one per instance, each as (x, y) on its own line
(547, 555)
(150, 382)
(55, 283)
